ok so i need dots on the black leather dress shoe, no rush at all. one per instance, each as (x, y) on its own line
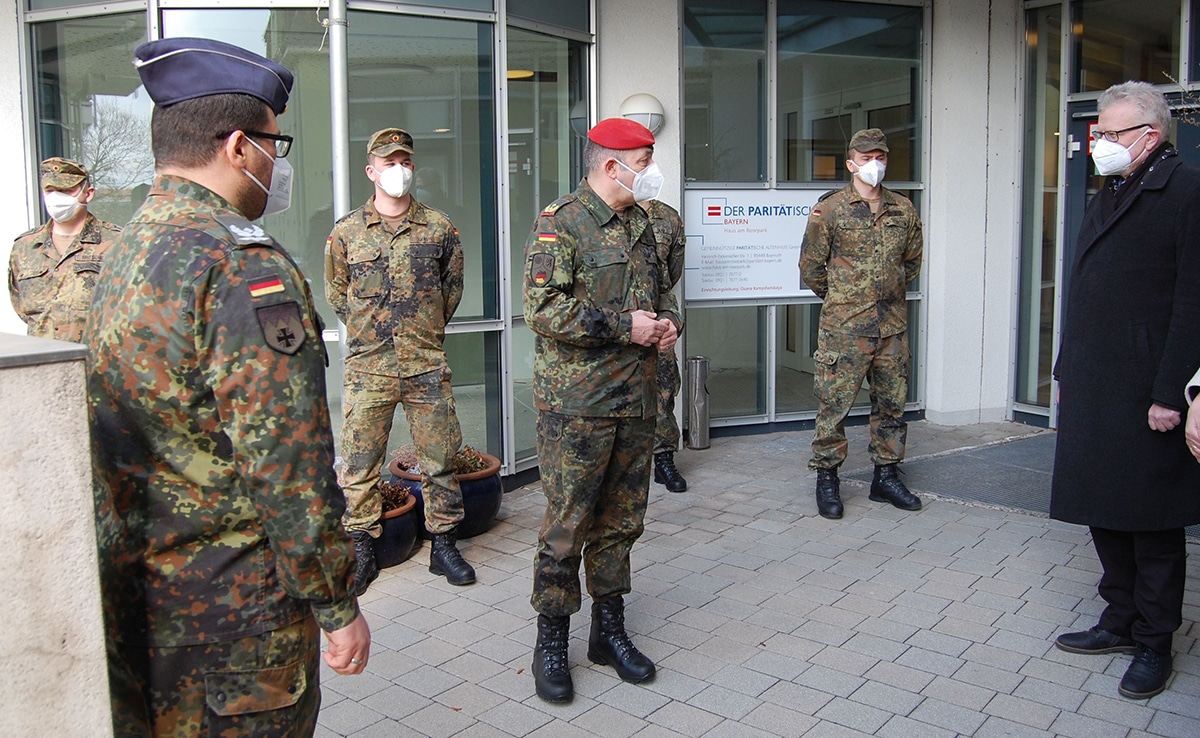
(1095, 641)
(1147, 675)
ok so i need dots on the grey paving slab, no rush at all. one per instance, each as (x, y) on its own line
(766, 620)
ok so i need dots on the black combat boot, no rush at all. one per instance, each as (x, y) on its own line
(887, 487)
(609, 643)
(666, 474)
(444, 558)
(551, 675)
(365, 570)
(829, 501)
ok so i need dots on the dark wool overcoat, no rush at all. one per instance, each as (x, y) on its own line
(1131, 337)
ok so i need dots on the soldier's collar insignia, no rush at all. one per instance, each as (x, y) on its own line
(243, 231)
(282, 327)
(541, 266)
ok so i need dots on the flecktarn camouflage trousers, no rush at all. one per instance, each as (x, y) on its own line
(596, 477)
(370, 405)
(842, 363)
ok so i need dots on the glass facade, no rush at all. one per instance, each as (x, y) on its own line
(434, 75)
(772, 90)
(102, 121)
(725, 90)
(547, 79)
(843, 67)
(1118, 40)
(838, 67)
(1039, 224)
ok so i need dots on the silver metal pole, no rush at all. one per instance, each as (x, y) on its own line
(339, 96)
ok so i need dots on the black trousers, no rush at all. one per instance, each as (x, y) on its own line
(1142, 583)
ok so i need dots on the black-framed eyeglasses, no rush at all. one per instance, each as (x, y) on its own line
(1114, 136)
(283, 144)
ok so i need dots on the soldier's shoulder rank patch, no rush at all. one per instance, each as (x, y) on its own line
(243, 231)
(553, 207)
(263, 286)
(541, 266)
(282, 327)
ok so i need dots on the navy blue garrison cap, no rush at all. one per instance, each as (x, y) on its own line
(178, 69)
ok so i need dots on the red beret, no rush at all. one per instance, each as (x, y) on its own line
(621, 134)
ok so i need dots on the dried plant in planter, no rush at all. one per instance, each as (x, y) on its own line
(395, 495)
(466, 461)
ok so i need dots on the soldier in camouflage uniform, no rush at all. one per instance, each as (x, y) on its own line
(600, 304)
(53, 268)
(394, 276)
(861, 248)
(218, 514)
(668, 233)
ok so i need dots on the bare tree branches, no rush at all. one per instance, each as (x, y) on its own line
(115, 148)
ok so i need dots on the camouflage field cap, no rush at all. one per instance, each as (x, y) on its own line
(62, 173)
(869, 139)
(389, 141)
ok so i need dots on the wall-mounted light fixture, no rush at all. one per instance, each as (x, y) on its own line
(645, 109)
(579, 117)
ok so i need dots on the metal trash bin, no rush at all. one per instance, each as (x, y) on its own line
(697, 394)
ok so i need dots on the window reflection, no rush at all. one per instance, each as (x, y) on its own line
(734, 340)
(103, 122)
(434, 79)
(1117, 40)
(724, 77)
(1039, 221)
(547, 83)
(843, 67)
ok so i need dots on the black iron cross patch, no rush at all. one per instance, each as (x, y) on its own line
(282, 327)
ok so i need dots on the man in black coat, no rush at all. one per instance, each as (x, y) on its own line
(1131, 341)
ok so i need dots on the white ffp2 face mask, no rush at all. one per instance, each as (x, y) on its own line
(872, 172)
(279, 194)
(647, 184)
(1111, 157)
(396, 180)
(61, 206)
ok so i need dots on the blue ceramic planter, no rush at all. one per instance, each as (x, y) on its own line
(400, 536)
(482, 493)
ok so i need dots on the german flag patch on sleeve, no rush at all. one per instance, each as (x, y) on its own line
(266, 286)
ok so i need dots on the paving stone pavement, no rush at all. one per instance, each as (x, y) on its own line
(767, 620)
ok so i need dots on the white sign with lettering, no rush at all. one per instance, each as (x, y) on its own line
(744, 244)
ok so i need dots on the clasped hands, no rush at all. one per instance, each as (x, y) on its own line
(650, 330)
